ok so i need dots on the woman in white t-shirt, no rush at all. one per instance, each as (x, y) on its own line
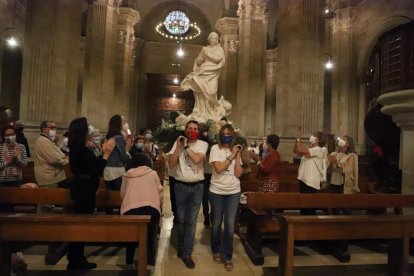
(312, 165)
(224, 195)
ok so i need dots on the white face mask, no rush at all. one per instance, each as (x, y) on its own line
(52, 133)
(10, 139)
(125, 127)
(313, 140)
(148, 136)
(96, 140)
(341, 143)
(65, 141)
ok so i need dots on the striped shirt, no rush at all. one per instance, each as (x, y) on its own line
(11, 171)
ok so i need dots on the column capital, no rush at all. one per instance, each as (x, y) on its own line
(227, 25)
(400, 106)
(253, 9)
(343, 19)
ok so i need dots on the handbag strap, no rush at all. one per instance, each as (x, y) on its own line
(319, 170)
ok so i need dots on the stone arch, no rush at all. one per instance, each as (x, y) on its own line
(388, 22)
(11, 75)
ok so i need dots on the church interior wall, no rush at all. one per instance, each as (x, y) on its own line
(155, 55)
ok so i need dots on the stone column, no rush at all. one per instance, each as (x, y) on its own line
(345, 97)
(228, 28)
(140, 110)
(299, 95)
(270, 98)
(124, 72)
(400, 105)
(98, 86)
(249, 106)
(50, 61)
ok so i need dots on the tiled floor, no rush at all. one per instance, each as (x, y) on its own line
(366, 259)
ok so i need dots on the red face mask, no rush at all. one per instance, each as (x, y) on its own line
(192, 135)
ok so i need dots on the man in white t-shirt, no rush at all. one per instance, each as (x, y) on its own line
(186, 159)
(311, 167)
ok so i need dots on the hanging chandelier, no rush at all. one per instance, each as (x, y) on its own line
(177, 26)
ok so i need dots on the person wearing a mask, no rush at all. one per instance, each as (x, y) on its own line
(64, 145)
(186, 160)
(94, 141)
(268, 167)
(150, 147)
(12, 159)
(139, 147)
(344, 167)
(20, 137)
(117, 161)
(49, 160)
(311, 165)
(224, 195)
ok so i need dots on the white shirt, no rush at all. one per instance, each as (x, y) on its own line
(186, 170)
(310, 168)
(224, 183)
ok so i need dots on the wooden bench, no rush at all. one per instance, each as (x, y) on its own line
(72, 228)
(396, 228)
(57, 196)
(261, 221)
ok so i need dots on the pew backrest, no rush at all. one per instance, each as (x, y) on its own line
(57, 196)
(258, 201)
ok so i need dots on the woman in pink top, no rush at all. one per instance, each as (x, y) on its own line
(142, 194)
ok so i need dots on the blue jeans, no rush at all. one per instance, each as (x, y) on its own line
(223, 207)
(188, 200)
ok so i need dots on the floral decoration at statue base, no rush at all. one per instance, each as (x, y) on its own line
(173, 125)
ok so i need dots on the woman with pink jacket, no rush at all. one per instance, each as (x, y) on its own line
(142, 194)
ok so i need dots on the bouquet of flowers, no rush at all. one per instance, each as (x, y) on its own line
(173, 125)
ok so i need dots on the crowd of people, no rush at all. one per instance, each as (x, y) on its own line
(200, 175)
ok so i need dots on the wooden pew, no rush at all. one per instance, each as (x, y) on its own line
(398, 229)
(72, 228)
(57, 196)
(262, 223)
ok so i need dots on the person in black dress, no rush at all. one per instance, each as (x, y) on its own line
(86, 168)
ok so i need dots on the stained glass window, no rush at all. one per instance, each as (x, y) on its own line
(177, 23)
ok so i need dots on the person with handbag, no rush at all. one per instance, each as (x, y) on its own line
(311, 164)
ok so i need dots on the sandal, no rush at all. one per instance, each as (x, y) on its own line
(217, 258)
(228, 266)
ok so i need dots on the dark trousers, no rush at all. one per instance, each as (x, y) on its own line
(113, 185)
(152, 231)
(171, 181)
(8, 208)
(206, 190)
(84, 199)
(305, 189)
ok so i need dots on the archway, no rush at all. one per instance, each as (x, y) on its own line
(11, 75)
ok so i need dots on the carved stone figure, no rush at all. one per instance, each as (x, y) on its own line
(203, 81)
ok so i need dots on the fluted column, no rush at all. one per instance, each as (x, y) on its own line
(98, 86)
(299, 95)
(228, 28)
(344, 107)
(249, 104)
(270, 98)
(50, 61)
(124, 72)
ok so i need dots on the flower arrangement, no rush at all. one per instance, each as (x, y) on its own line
(173, 125)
